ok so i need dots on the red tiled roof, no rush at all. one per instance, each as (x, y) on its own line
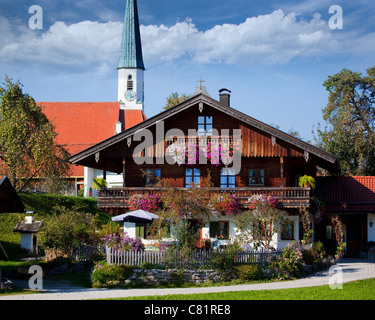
(81, 125)
(357, 193)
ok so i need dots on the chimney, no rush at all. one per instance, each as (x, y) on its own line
(224, 95)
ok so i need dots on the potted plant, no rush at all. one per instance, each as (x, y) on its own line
(307, 182)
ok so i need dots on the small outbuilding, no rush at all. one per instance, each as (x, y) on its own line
(9, 199)
(29, 233)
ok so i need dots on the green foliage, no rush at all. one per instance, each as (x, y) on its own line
(306, 180)
(27, 141)
(99, 184)
(250, 272)
(174, 99)
(224, 261)
(111, 274)
(68, 227)
(290, 263)
(350, 119)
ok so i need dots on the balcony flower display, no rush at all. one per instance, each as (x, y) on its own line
(192, 154)
(178, 152)
(266, 199)
(219, 152)
(123, 242)
(224, 204)
(147, 202)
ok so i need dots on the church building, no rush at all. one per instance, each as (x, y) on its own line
(81, 125)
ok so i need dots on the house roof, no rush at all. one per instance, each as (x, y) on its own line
(9, 199)
(81, 125)
(24, 227)
(348, 194)
(327, 159)
(131, 47)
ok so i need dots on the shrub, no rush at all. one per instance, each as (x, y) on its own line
(291, 261)
(110, 274)
(250, 272)
(319, 251)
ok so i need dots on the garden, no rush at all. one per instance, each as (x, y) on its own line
(67, 226)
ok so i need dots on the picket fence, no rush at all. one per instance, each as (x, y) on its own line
(197, 259)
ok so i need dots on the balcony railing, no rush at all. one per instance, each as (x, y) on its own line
(287, 197)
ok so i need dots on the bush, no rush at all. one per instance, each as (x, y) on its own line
(250, 272)
(290, 263)
(111, 274)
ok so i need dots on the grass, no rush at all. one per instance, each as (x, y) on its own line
(357, 290)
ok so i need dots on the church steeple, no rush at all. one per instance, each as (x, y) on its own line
(131, 67)
(131, 47)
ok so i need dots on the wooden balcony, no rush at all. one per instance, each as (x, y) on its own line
(117, 198)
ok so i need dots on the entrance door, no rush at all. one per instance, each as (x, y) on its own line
(356, 233)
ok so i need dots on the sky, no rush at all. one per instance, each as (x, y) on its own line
(273, 55)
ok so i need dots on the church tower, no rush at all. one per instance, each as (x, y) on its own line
(130, 67)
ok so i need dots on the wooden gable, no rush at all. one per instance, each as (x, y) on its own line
(258, 139)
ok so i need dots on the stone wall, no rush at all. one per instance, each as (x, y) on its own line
(157, 276)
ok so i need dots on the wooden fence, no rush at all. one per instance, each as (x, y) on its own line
(196, 260)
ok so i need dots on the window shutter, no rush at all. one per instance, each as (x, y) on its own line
(214, 229)
(140, 230)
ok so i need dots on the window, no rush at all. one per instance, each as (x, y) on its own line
(227, 178)
(130, 83)
(152, 177)
(288, 233)
(256, 176)
(205, 125)
(144, 231)
(192, 177)
(219, 229)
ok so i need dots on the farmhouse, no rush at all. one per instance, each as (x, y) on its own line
(205, 138)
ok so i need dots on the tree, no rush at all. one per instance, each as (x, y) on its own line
(66, 228)
(174, 100)
(262, 222)
(349, 132)
(27, 141)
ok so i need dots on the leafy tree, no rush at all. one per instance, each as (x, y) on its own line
(27, 141)
(174, 99)
(260, 224)
(66, 228)
(349, 132)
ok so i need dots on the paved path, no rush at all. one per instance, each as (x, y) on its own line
(352, 270)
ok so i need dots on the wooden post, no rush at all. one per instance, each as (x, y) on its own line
(3, 250)
(105, 170)
(123, 172)
(281, 172)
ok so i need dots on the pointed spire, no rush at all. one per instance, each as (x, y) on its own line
(131, 47)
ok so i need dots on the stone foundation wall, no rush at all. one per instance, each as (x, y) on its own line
(156, 276)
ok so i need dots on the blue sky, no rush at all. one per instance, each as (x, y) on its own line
(273, 55)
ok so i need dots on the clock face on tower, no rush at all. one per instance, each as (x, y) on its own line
(129, 95)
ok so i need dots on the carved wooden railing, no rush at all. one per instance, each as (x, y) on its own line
(288, 197)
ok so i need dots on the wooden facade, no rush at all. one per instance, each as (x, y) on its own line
(279, 157)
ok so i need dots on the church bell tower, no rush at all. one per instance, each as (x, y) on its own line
(130, 67)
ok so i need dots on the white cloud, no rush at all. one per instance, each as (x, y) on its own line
(275, 38)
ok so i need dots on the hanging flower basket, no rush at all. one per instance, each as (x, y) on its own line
(147, 202)
(224, 204)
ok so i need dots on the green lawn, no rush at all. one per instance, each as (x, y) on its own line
(357, 290)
